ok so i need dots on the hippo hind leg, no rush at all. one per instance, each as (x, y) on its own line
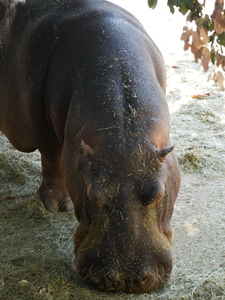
(52, 190)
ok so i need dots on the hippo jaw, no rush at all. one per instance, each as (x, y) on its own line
(111, 280)
(116, 257)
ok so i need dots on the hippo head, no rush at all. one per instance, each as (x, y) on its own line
(124, 206)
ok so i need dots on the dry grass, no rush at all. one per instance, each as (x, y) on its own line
(192, 159)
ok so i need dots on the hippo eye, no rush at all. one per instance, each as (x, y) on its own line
(151, 194)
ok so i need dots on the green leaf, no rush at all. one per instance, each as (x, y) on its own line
(211, 26)
(213, 56)
(212, 38)
(177, 2)
(221, 39)
(170, 3)
(189, 4)
(205, 24)
(152, 3)
(183, 9)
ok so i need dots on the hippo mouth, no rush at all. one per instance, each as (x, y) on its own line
(110, 280)
(137, 279)
(112, 263)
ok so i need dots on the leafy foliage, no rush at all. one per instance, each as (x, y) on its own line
(204, 34)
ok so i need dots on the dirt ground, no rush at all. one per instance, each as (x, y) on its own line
(36, 252)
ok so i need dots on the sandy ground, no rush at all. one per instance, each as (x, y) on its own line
(197, 130)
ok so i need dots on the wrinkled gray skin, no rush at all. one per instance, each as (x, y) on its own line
(82, 82)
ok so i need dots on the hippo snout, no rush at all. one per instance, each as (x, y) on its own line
(124, 249)
(141, 280)
(133, 277)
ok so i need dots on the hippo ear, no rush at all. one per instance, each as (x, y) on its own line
(162, 153)
(88, 150)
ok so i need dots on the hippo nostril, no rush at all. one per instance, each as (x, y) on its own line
(144, 275)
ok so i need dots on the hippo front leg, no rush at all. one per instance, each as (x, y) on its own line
(52, 190)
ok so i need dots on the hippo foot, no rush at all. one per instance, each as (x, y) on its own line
(55, 200)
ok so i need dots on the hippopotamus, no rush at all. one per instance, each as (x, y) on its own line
(82, 82)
